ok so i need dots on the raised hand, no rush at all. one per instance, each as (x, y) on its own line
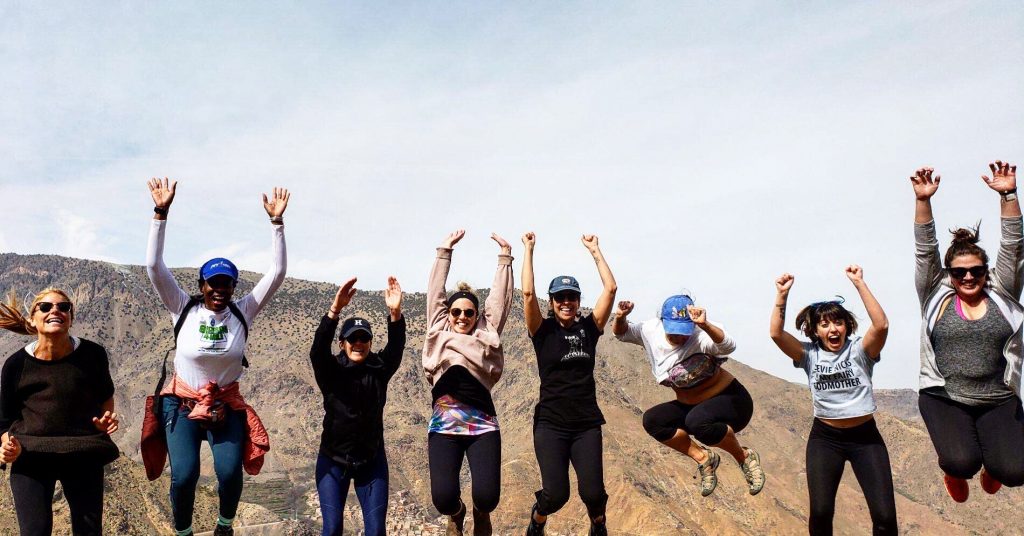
(344, 296)
(108, 423)
(10, 449)
(506, 249)
(1004, 176)
(277, 202)
(625, 307)
(699, 315)
(784, 283)
(855, 273)
(393, 297)
(925, 185)
(590, 241)
(162, 191)
(453, 238)
(529, 240)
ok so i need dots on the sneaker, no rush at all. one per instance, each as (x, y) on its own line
(989, 484)
(956, 488)
(598, 529)
(481, 523)
(752, 471)
(455, 521)
(534, 528)
(708, 478)
(223, 530)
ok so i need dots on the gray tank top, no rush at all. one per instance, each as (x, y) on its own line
(969, 355)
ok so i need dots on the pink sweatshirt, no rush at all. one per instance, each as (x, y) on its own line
(479, 352)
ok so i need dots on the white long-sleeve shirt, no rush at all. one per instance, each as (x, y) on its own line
(663, 356)
(211, 344)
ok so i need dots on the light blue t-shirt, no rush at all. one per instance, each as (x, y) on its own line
(840, 382)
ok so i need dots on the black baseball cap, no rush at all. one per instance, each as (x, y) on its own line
(353, 325)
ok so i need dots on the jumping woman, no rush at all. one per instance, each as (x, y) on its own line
(567, 420)
(839, 368)
(463, 359)
(971, 341)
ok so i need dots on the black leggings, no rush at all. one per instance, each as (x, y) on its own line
(969, 437)
(828, 450)
(555, 449)
(445, 453)
(33, 479)
(708, 421)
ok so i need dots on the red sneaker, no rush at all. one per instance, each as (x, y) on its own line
(956, 488)
(989, 484)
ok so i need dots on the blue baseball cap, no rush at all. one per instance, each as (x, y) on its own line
(564, 282)
(674, 317)
(353, 325)
(218, 266)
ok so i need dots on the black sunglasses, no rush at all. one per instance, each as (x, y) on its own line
(45, 307)
(360, 336)
(568, 296)
(975, 271)
(468, 313)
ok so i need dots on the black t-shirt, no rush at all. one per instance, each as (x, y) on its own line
(461, 385)
(49, 405)
(565, 363)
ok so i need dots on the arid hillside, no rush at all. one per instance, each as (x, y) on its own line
(652, 490)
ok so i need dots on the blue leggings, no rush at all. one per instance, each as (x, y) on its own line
(332, 481)
(184, 436)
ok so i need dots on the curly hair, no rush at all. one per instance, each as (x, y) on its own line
(808, 318)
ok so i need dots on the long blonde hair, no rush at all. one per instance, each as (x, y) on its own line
(12, 319)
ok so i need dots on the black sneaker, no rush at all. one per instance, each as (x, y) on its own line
(223, 530)
(535, 528)
(455, 521)
(481, 523)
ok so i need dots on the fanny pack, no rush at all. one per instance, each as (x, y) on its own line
(693, 370)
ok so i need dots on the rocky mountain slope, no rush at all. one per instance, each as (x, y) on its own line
(652, 489)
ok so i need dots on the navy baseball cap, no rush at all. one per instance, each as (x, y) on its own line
(353, 325)
(218, 266)
(674, 317)
(564, 282)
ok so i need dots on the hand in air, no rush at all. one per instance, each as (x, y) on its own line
(699, 315)
(784, 283)
(590, 241)
(529, 240)
(10, 449)
(393, 296)
(625, 307)
(162, 191)
(344, 295)
(506, 249)
(925, 185)
(107, 423)
(855, 273)
(277, 202)
(1004, 176)
(453, 238)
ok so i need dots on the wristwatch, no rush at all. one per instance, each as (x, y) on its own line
(1009, 195)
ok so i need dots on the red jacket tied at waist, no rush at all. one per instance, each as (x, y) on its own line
(154, 444)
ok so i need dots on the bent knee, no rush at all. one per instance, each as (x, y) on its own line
(656, 426)
(965, 466)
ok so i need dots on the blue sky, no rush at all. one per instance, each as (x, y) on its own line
(710, 146)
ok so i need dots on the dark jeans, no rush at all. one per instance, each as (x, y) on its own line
(708, 421)
(828, 450)
(445, 453)
(555, 449)
(969, 437)
(184, 436)
(332, 482)
(33, 479)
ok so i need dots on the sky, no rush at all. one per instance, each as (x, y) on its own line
(710, 146)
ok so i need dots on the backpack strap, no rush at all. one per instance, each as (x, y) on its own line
(196, 300)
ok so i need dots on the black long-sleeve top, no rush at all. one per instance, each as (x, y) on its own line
(354, 393)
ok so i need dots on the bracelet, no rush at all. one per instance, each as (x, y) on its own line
(277, 220)
(160, 210)
(333, 312)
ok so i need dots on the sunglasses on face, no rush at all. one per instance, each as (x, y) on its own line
(565, 297)
(45, 307)
(975, 271)
(358, 337)
(468, 313)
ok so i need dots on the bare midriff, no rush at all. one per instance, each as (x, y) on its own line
(706, 389)
(848, 422)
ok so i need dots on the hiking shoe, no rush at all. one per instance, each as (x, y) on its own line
(598, 529)
(752, 471)
(455, 521)
(534, 528)
(989, 484)
(223, 530)
(956, 488)
(481, 523)
(708, 478)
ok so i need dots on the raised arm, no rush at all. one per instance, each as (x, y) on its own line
(320, 355)
(603, 307)
(927, 267)
(623, 329)
(392, 353)
(874, 337)
(437, 309)
(722, 343)
(275, 206)
(1008, 275)
(789, 344)
(499, 300)
(531, 307)
(172, 296)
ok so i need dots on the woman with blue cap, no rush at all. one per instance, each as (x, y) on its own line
(686, 352)
(567, 420)
(203, 402)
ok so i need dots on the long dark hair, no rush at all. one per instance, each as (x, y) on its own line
(808, 317)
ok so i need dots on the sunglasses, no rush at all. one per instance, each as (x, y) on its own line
(468, 313)
(975, 271)
(565, 297)
(358, 337)
(45, 307)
